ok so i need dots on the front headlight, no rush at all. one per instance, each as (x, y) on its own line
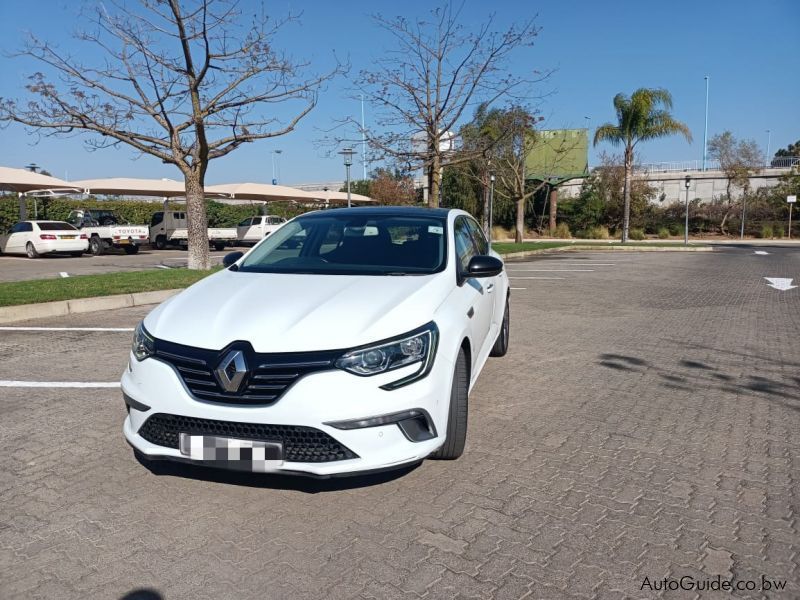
(143, 343)
(415, 347)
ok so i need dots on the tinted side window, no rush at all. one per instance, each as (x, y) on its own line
(465, 247)
(245, 223)
(481, 243)
(16, 228)
(26, 227)
(157, 218)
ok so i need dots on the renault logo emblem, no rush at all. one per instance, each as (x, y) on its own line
(231, 371)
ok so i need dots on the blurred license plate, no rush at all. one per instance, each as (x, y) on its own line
(231, 453)
(68, 237)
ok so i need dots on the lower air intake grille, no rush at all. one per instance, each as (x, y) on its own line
(300, 444)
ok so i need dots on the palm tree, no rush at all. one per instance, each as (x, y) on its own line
(644, 116)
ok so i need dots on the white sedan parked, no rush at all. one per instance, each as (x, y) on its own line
(254, 229)
(347, 341)
(35, 238)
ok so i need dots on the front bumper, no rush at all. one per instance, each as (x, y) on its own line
(322, 401)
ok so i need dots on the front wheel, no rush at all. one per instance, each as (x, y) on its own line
(30, 250)
(161, 242)
(501, 343)
(456, 434)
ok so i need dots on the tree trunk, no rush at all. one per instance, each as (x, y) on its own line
(626, 194)
(553, 209)
(520, 226)
(197, 221)
(434, 181)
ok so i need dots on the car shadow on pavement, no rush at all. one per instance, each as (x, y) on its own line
(142, 594)
(298, 483)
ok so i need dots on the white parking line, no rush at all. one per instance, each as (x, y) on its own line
(64, 274)
(59, 384)
(513, 277)
(67, 329)
(518, 288)
(556, 270)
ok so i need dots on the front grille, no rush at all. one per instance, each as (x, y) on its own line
(300, 444)
(267, 378)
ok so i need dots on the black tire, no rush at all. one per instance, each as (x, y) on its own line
(96, 246)
(161, 242)
(76, 254)
(501, 343)
(131, 249)
(30, 250)
(218, 246)
(456, 434)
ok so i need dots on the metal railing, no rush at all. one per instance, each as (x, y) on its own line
(780, 162)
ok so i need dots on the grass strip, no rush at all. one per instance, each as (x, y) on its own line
(14, 293)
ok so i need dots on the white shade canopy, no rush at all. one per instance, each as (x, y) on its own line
(22, 180)
(124, 186)
(261, 191)
(341, 197)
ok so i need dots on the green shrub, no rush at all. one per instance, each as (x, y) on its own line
(561, 231)
(676, 229)
(636, 234)
(778, 229)
(767, 232)
(596, 232)
(663, 233)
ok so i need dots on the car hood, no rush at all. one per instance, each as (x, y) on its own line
(295, 313)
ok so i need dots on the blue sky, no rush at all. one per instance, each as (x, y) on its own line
(749, 50)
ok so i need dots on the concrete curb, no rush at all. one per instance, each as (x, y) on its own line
(584, 248)
(23, 312)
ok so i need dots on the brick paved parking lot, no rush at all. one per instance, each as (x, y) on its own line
(645, 424)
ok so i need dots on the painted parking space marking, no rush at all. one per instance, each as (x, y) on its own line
(114, 329)
(513, 288)
(555, 270)
(64, 274)
(780, 283)
(761, 252)
(533, 277)
(9, 383)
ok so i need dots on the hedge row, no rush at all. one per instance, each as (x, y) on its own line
(136, 212)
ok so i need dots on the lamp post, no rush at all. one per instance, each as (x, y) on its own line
(347, 153)
(274, 177)
(491, 202)
(687, 181)
(705, 130)
(769, 140)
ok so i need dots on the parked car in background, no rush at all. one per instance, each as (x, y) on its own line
(106, 230)
(35, 238)
(253, 229)
(354, 350)
(168, 228)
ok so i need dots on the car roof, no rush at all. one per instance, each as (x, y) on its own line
(383, 211)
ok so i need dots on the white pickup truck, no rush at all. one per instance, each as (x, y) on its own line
(253, 229)
(168, 228)
(106, 230)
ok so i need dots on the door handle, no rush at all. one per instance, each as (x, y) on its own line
(490, 288)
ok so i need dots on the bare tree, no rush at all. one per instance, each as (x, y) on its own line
(739, 160)
(185, 81)
(437, 71)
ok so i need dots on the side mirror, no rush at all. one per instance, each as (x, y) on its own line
(484, 266)
(231, 258)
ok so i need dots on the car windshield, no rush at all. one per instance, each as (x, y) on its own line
(353, 244)
(55, 226)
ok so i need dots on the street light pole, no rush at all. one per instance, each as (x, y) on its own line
(705, 130)
(769, 140)
(274, 177)
(347, 153)
(686, 224)
(491, 202)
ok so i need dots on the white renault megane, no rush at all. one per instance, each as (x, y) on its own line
(347, 341)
